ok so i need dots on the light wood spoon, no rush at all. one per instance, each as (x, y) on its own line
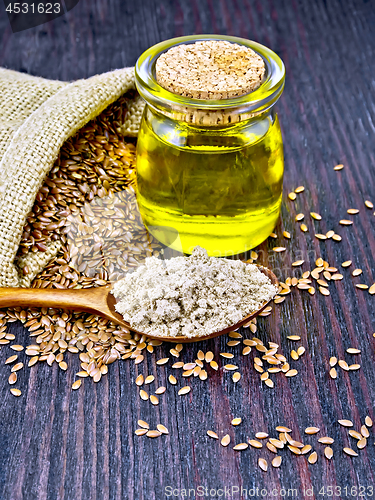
(100, 301)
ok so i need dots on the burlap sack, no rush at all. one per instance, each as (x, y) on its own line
(36, 117)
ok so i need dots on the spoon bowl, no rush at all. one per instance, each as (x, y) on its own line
(100, 301)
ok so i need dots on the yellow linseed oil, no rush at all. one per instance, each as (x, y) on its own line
(219, 188)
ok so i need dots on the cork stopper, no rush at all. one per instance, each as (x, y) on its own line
(210, 69)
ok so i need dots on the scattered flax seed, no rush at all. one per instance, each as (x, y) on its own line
(299, 189)
(346, 222)
(230, 367)
(324, 291)
(276, 462)
(362, 443)
(172, 380)
(343, 364)
(320, 236)
(11, 359)
(328, 452)
(299, 217)
(269, 383)
(316, 216)
(232, 335)
(355, 434)
(357, 272)
(272, 448)
(139, 380)
(15, 392)
(17, 348)
(352, 350)
(347, 263)
(273, 235)
(12, 378)
(161, 428)
(160, 390)
(333, 361)
(346, 423)
(329, 234)
(350, 452)
(263, 464)
(336, 237)
(304, 228)
(313, 457)
(294, 449)
(162, 361)
(213, 434)
(227, 355)
(294, 355)
(326, 440)
(338, 167)
(149, 379)
(140, 432)
(301, 350)
(82, 374)
(203, 375)
(143, 424)
(233, 343)
(291, 373)
(294, 337)
(261, 435)
(312, 430)
(246, 350)
(225, 441)
(364, 431)
(362, 286)
(215, 366)
(17, 367)
(292, 196)
(298, 263)
(184, 390)
(76, 384)
(255, 444)
(154, 400)
(319, 262)
(240, 446)
(209, 356)
(368, 421)
(281, 428)
(311, 290)
(336, 277)
(371, 290)
(153, 434)
(143, 395)
(352, 211)
(306, 449)
(279, 249)
(179, 364)
(236, 377)
(33, 361)
(286, 234)
(236, 421)
(369, 204)
(333, 373)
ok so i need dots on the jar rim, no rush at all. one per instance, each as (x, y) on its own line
(257, 101)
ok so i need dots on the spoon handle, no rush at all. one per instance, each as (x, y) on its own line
(85, 299)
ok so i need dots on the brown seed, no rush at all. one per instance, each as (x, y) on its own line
(246, 350)
(364, 431)
(160, 390)
(294, 355)
(281, 428)
(371, 290)
(143, 395)
(230, 367)
(323, 290)
(291, 373)
(328, 452)
(294, 337)
(333, 373)
(337, 277)
(172, 380)
(368, 421)
(77, 384)
(139, 380)
(225, 440)
(263, 464)
(346, 222)
(236, 421)
(16, 347)
(350, 452)
(277, 443)
(362, 443)
(140, 432)
(306, 449)
(338, 167)
(347, 263)
(299, 217)
(357, 272)
(213, 434)
(315, 216)
(161, 428)
(273, 235)
(343, 364)
(369, 204)
(312, 430)
(294, 450)
(279, 249)
(362, 286)
(162, 361)
(153, 434)
(336, 237)
(276, 462)
(269, 383)
(352, 211)
(209, 356)
(326, 440)
(353, 350)
(354, 367)
(272, 448)
(355, 434)
(184, 390)
(261, 435)
(320, 236)
(286, 234)
(12, 378)
(214, 365)
(298, 263)
(346, 423)
(292, 196)
(333, 361)
(15, 392)
(143, 424)
(329, 234)
(154, 400)
(240, 446)
(313, 457)
(304, 228)
(11, 359)
(236, 377)
(16, 367)
(299, 189)
(255, 444)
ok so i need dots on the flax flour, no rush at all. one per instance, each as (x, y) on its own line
(190, 296)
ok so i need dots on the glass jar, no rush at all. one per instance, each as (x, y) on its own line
(210, 172)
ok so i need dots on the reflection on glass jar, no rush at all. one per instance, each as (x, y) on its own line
(210, 173)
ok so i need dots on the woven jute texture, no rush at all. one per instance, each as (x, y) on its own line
(36, 117)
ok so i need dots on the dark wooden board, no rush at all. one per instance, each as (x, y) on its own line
(56, 443)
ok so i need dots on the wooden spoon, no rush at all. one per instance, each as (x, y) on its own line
(101, 302)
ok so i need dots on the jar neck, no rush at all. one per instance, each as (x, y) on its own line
(209, 113)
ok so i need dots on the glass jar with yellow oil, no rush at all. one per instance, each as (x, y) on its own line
(210, 153)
